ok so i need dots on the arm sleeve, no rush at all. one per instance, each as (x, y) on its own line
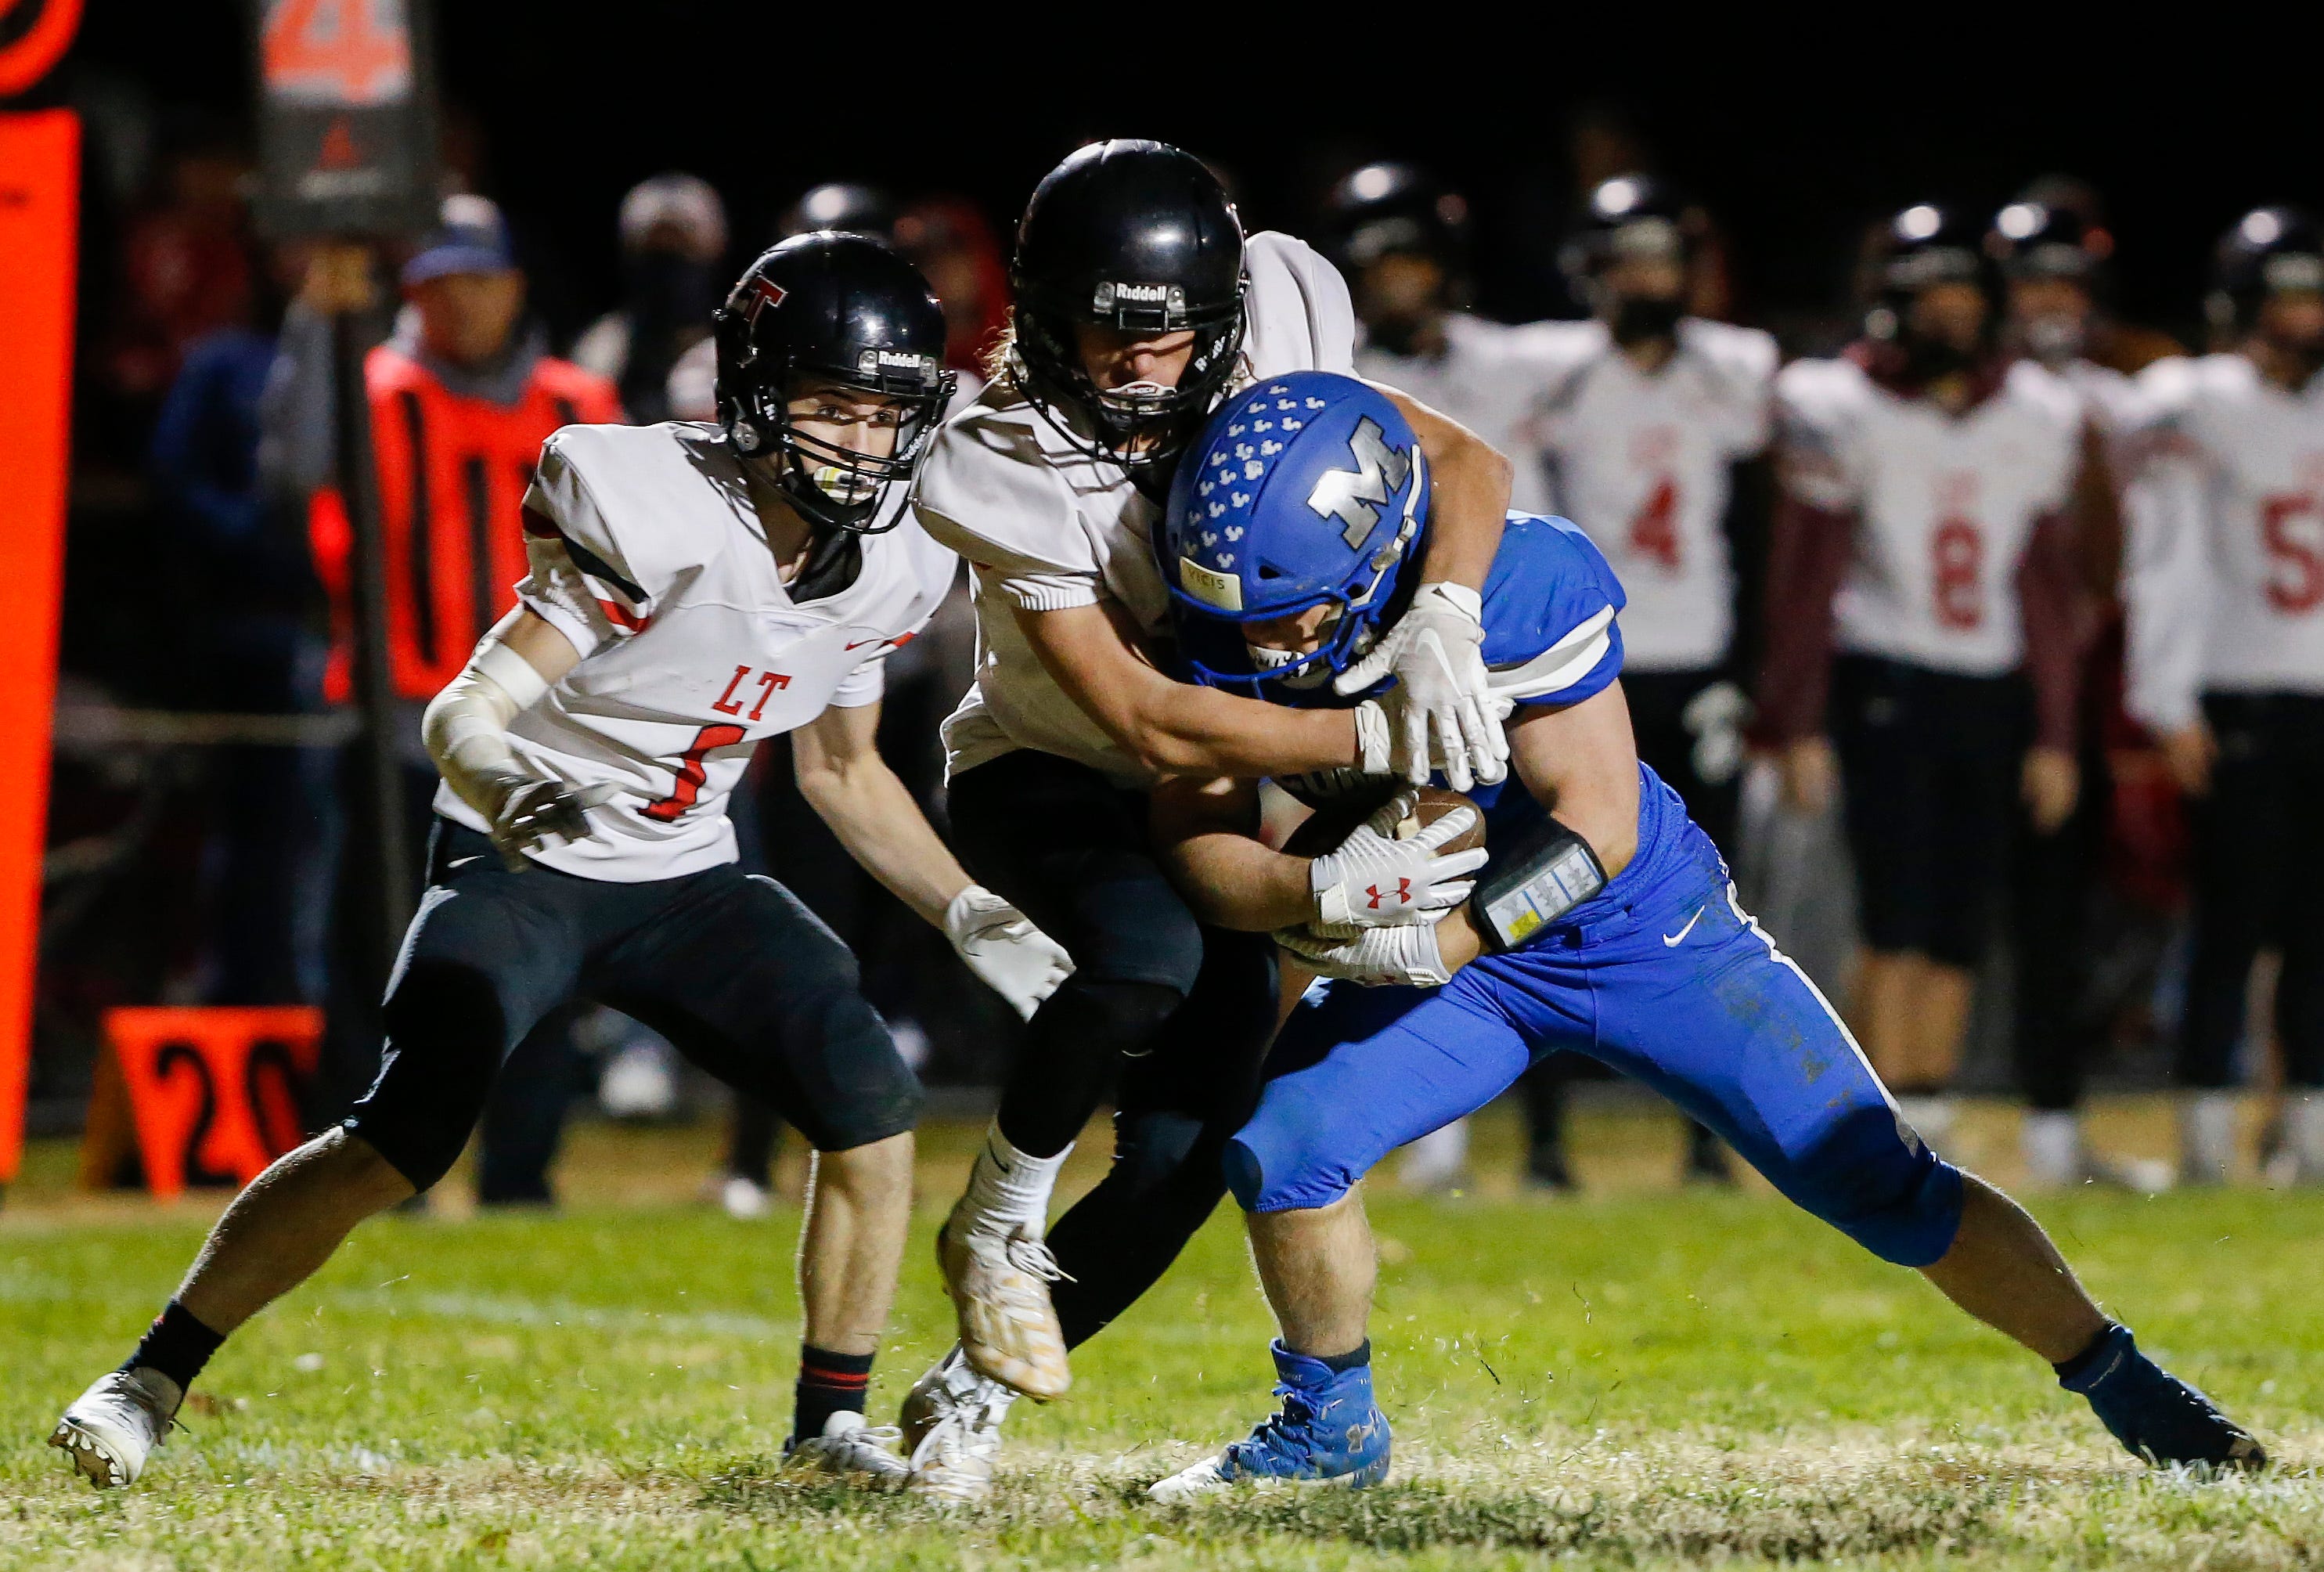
(1806, 555)
(2166, 585)
(580, 578)
(2050, 603)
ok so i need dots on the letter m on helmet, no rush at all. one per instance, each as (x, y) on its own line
(1355, 496)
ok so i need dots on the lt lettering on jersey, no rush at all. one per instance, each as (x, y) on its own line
(738, 690)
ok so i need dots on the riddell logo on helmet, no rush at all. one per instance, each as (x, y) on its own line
(1109, 296)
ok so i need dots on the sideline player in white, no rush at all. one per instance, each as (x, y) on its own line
(1402, 238)
(2225, 585)
(1923, 532)
(692, 590)
(1140, 307)
(2053, 260)
(1646, 415)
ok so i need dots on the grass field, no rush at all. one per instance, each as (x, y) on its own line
(1643, 1378)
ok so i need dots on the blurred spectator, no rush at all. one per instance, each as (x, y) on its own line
(2053, 260)
(953, 246)
(186, 269)
(2225, 587)
(462, 397)
(1925, 531)
(255, 651)
(1652, 421)
(673, 231)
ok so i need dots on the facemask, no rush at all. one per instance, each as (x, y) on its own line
(1928, 359)
(2056, 338)
(1638, 318)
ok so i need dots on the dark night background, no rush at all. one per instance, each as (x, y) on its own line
(1794, 131)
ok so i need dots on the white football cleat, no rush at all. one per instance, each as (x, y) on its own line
(951, 1421)
(1000, 1284)
(1205, 1478)
(111, 1429)
(852, 1450)
(745, 1200)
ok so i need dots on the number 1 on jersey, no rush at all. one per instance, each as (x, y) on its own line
(690, 770)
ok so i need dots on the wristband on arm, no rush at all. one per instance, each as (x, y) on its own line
(1547, 873)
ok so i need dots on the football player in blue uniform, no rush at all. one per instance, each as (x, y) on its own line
(1603, 922)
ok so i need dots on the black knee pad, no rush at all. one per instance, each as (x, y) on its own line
(446, 1034)
(1120, 1016)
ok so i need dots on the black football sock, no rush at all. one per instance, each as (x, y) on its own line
(828, 1383)
(1340, 1364)
(176, 1345)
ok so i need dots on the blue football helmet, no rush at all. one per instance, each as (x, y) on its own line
(1303, 490)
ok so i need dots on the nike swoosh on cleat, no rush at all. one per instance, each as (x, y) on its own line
(1673, 940)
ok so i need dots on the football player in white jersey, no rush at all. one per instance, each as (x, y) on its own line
(1645, 420)
(2053, 250)
(1139, 309)
(2225, 587)
(693, 589)
(1923, 533)
(1402, 239)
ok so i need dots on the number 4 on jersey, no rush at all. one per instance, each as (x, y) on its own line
(1653, 530)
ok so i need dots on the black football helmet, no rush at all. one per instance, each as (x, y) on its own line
(2031, 239)
(2269, 249)
(843, 206)
(1922, 247)
(1631, 214)
(831, 308)
(1386, 210)
(1140, 237)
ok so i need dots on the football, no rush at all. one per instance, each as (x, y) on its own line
(1457, 938)
(1332, 823)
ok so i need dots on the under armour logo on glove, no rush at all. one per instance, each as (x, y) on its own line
(1403, 880)
(1402, 893)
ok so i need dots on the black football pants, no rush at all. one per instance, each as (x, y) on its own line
(2259, 876)
(1171, 1015)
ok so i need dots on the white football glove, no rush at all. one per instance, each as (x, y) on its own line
(1377, 957)
(1435, 652)
(1388, 731)
(1001, 945)
(1376, 881)
(540, 812)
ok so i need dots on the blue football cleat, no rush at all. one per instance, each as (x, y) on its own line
(1329, 1431)
(2153, 1413)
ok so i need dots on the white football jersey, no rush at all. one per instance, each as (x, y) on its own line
(2223, 581)
(1944, 506)
(1643, 463)
(1489, 378)
(1046, 526)
(647, 553)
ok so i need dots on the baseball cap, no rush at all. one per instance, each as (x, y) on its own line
(470, 237)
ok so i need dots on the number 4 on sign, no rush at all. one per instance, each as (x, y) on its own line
(337, 52)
